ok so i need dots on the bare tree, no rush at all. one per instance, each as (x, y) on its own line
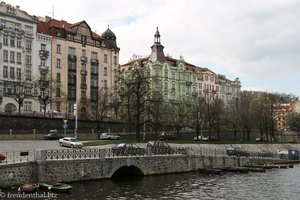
(135, 95)
(198, 114)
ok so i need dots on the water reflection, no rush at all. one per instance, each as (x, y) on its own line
(274, 184)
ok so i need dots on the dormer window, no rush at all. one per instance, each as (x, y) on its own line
(83, 39)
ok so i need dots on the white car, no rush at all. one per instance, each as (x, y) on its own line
(109, 136)
(201, 137)
(70, 142)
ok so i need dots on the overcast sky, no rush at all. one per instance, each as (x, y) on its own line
(255, 40)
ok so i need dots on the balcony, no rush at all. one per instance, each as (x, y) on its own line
(83, 72)
(83, 86)
(44, 68)
(83, 59)
(43, 83)
(44, 54)
(72, 57)
(94, 61)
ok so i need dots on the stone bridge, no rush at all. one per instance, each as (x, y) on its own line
(67, 165)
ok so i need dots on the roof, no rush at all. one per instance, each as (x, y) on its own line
(43, 27)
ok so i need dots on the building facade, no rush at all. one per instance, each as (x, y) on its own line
(175, 79)
(18, 67)
(83, 63)
(179, 80)
(229, 90)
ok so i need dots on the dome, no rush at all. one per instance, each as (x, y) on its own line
(108, 34)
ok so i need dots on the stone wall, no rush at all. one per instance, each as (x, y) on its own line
(17, 174)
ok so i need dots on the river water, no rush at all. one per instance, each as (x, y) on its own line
(275, 184)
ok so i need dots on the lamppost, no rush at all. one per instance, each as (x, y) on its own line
(75, 113)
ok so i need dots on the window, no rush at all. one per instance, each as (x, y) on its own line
(58, 106)
(18, 73)
(28, 74)
(3, 24)
(166, 73)
(206, 78)
(156, 72)
(72, 65)
(43, 47)
(12, 41)
(58, 91)
(12, 56)
(94, 69)
(71, 79)
(105, 84)
(71, 51)
(94, 95)
(5, 55)
(27, 106)
(5, 39)
(94, 82)
(94, 55)
(105, 71)
(43, 63)
(17, 27)
(72, 92)
(83, 66)
(83, 39)
(58, 49)
(19, 42)
(200, 86)
(173, 75)
(83, 94)
(12, 72)
(19, 58)
(5, 71)
(83, 52)
(217, 88)
(57, 63)
(58, 77)
(28, 60)
(105, 58)
(115, 60)
(28, 29)
(28, 44)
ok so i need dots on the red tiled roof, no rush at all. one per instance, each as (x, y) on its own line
(43, 27)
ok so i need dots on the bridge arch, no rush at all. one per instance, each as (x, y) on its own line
(127, 171)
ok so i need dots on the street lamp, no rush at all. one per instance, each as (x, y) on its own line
(75, 113)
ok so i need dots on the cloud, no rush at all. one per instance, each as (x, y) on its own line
(255, 40)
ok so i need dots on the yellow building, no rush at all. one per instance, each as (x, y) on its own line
(83, 63)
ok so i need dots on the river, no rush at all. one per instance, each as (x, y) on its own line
(274, 184)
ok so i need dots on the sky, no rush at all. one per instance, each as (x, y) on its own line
(255, 40)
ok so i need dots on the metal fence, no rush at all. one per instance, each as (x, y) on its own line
(96, 153)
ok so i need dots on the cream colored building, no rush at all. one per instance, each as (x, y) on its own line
(82, 64)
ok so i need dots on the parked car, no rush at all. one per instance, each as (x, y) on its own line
(167, 136)
(109, 136)
(70, 142)
(53, 135)
(212, 138)
(258, 139)
(237, 151)
(201, 138)
(159, 147)
(2, 157)
(127, 149)
(265, 153)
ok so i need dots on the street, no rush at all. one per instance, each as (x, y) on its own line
(21, 145)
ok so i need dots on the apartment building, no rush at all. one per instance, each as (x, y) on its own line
(19, 69)
(229, 90)
(83, 63)
(174, 79)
